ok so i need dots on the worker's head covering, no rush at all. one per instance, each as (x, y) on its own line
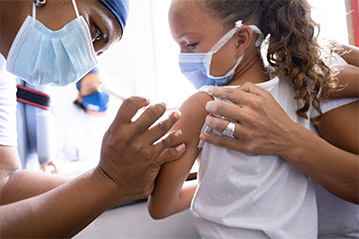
(94, 70)
(119, 8)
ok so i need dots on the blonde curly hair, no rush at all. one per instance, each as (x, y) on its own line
(293, 48)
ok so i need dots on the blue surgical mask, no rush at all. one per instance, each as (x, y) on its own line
(97, 102)
(196, 66)
(42, 56)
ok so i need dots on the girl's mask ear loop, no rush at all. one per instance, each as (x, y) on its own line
(255, 29)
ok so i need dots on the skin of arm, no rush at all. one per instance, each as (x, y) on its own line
(131, 156)
(13, 187)
(38, 216)
(349, 53)
(171, 195)
(349, 82)
(348, 76)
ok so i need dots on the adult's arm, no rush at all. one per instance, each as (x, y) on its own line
(264, 128)
(12, 186)
(349, 53)
(348, 85)
(347, 73)
(128, 165)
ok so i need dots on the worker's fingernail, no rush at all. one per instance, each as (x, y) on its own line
(180, 147)
(164, 104)
(178, 133)
(177, 114)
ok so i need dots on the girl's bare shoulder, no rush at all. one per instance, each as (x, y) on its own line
(193, 112)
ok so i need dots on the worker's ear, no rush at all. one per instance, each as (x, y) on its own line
(243, 37)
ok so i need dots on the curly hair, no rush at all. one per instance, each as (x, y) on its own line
(293, 48)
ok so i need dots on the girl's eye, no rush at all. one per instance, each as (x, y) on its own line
(192, 46)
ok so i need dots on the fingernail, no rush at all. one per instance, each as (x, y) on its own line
(178, 133)
(165, 104)
(180, 147)
(209, 105)
(203, 136)
(210, 90)
(177, 114)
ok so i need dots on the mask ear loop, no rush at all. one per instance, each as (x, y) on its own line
(34, 10)
(260, 39)
(208, 58)
(75, 7)
(41, 3)
(255, 29)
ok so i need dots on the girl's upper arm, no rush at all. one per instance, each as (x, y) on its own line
(340, 127)
(165, 196)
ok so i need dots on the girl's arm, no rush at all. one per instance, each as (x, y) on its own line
(171, 195)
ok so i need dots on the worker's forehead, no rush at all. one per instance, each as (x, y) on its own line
(119, 8)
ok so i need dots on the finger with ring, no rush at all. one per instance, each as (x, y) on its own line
(229, 130)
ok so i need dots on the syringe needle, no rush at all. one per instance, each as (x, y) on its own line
(102, 88)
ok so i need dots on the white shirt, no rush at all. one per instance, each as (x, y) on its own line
(8, 135)
(253, 196)
(337, 218)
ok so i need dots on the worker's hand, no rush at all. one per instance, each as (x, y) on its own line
(130, 150)
(145, 187)
(261, 125)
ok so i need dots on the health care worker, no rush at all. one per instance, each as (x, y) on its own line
(34, 204)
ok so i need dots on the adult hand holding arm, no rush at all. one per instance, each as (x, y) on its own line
(128, 165)
(262, 127)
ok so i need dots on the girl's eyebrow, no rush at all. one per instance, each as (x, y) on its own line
(185, 34)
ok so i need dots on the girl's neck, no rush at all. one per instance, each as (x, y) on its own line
(251, 69)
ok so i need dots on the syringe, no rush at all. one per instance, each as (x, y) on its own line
(103, 88)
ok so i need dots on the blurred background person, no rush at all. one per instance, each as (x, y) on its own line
(82, 125)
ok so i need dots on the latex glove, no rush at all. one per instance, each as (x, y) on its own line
(262, 126)
(130, 150)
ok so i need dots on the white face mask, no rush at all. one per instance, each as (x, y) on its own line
(41, 56)
(196, 66)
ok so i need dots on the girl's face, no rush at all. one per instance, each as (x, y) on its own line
(193, 29)
(196, 31)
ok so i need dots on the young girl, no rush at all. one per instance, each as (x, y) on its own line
(240, 195)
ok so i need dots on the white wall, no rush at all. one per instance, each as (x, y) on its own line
(130, 63)
(331, 14)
